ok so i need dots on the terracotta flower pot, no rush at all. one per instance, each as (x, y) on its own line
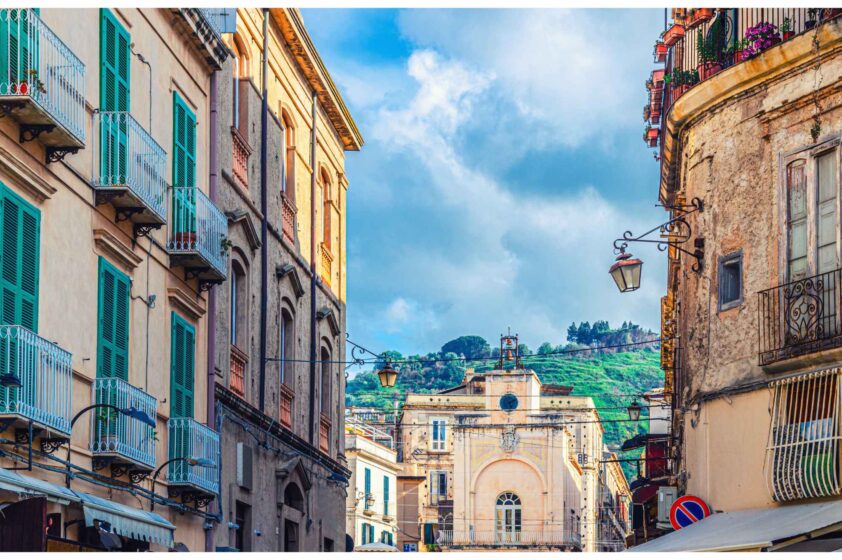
(738, 56)
(708, 69)
(788, 35)
(185, 239)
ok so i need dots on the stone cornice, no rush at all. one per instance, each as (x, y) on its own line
(109, 246)
(186, 303)
(26, 178)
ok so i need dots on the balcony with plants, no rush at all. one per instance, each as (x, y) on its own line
(42, 84)
(130, 170)
(194, 460)
(123, 442)
(198, 236)
(702, 42)
(35, 382)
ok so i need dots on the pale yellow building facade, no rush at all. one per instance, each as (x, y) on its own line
(107, 116)
(500, 462)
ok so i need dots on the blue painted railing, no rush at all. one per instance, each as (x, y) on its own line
(35, 63)
(44, 371)
(197, 227)
(126, 155)
(191, 442)
(113, 433)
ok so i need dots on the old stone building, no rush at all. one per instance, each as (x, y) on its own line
(280, 320)
(501, 461)
(109, 240)
(750, 168)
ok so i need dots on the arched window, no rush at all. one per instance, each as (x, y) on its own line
(508, 518)
(326, 210)
(325, 382)
(288, 152)
(287, 347)
(240, 71)
(293, 498)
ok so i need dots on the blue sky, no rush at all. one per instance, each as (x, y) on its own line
(503, 155)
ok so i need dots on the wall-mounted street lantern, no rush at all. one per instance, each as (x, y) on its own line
(388, 375)
(634, 411)
(674, 233)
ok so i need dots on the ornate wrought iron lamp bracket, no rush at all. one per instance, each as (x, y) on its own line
(673, 233)
(358, 352)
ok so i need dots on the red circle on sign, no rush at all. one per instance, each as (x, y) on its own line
(687, 510)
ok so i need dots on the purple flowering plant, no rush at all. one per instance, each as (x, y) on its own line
(760, 37)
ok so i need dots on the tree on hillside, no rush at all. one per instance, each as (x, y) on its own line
(523, 350)
(468, 346)
(388, 355)
(546, 348)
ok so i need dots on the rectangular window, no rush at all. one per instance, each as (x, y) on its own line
(438, 440)
(365, 533)
(113, 322)
(385, 495)
(19, 255)
(730, 280)
(182, 368)
(438, 486)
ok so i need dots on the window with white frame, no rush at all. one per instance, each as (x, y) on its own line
(438, 486)
(438, 434)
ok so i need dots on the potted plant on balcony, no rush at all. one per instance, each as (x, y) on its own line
(786, 29)
(706, 45)
(660, 51)
(697, 16)
(647, 112)
(107, 429)
(650, 136)
(812, 15)
(735, 50)
(761, 37)
(672, 35)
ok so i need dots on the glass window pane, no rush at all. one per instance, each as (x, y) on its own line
(798, 240)
(826, 171)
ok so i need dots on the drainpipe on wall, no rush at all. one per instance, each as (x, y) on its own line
(211, 320)
(313, 333)
(264, 209)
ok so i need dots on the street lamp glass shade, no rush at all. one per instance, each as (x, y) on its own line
(634, 411)
(388, 375)
(626, 272)
(139, 415)
(200, 462)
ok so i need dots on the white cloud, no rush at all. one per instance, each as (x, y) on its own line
(528, 262)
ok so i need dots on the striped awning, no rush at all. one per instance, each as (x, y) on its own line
(127, 521)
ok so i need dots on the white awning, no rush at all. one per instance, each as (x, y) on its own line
(751, 529)
(126, 521)
(22, 484)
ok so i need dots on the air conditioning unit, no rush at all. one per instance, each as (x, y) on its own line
(666, 496)
(245, 471)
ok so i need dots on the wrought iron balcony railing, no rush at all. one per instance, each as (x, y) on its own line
(191, 442)
(800, 317)
(42, 83)
(119, 436)
(218, 19)
(524, 538)
(130, 168)
(197, 232)
(44, 371)
(802, 456)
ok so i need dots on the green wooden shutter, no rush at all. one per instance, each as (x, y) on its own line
(114, 95)
(184, 167)
(113, 328)
(385, 495)
(182, 368)
(19, 49)
(20, 256)
(367, 482)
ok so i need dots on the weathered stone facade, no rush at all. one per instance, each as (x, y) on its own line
(281, 416)
(729, 142)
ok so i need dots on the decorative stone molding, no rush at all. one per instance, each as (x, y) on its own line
(290, 270)
(26, 178)
(245, 220)
(327, 313)
(186, 303)
(109, 246)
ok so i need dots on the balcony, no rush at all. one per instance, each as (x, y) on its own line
(241, 154)
(45, 374)
(42, 84)
(123, 442)
(287, 400)
(130, 171)
(237, 379)
(191, 442)
(799, 318)
(220, 20)
(198, 236)
(324, 434)
(537, 538)
(802, 456)
(288, 219)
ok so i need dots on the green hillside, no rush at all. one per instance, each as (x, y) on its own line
(612, 379)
